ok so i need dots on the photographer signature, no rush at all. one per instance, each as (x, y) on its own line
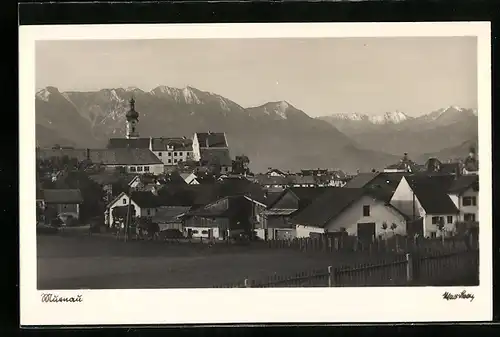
(462, 295)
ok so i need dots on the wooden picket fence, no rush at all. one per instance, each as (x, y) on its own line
(433, 269)
(398, 244)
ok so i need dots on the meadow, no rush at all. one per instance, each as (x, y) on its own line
(83, 262)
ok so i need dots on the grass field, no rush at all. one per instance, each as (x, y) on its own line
(83, 262)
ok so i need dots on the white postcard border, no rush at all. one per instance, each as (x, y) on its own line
(307, 305)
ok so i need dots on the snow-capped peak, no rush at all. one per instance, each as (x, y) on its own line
(164, 90)
(452, 109)
(389, 117)
(190, 96)
(349, 116)
(281, 108)
(115, 97)
(385, 118)
(131, 89)
(43, 94)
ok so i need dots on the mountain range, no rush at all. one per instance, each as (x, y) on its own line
(396, 132)
(275, 134)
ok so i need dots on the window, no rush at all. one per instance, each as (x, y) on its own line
(180, 153)
(159, 154)
(435, 220)
(469, 217)
(146, 168)
(148, 211)
(139, 168)
(170, 154)
(170, 161)
(132, 168)
(469, 201)
(175, 154)
(194, 231)
(204, 232)
(175, 161)
(449, 219)
(366, 210)
(124, 201)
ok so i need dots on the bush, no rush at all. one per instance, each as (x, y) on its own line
(172, 233)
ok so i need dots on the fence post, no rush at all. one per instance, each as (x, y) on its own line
(409, 267)
(330, 276)
(247, 283)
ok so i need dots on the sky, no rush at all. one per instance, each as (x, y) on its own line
(320, 76)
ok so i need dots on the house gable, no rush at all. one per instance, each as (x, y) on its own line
(405, 200)
(379, 213)
(287, 200)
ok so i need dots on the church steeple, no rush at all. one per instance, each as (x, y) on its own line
(132, 117)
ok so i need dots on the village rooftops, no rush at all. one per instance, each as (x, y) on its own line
(116, 156)
(211, 139)
(169, 214)
(108, 178)
(273, 180)
(432, 192)
(361, 180)
(463, 183)
(171, 144)
(236, 205)
(124, 157)
(303, 180)
(304, 196)
(62, 196)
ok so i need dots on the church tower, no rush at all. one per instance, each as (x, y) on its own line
(132, 121)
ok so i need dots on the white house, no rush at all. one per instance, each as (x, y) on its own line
(275, 173)
(351, 210)
(208, 140)
(464, 192)
(427, 197)
(172, 151)
(143, 203)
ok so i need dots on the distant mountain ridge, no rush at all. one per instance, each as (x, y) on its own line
(274, 134)
(398, 117)
(398, 133)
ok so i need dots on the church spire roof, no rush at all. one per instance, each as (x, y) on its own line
(132, 114)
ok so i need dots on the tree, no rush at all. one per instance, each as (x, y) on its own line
(240, 165)
(384, 227)
(441, 228)
(393, 228)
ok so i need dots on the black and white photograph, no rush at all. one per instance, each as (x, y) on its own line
(226, 163)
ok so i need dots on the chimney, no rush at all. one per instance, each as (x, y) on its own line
(88, 154)
(206, 141)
